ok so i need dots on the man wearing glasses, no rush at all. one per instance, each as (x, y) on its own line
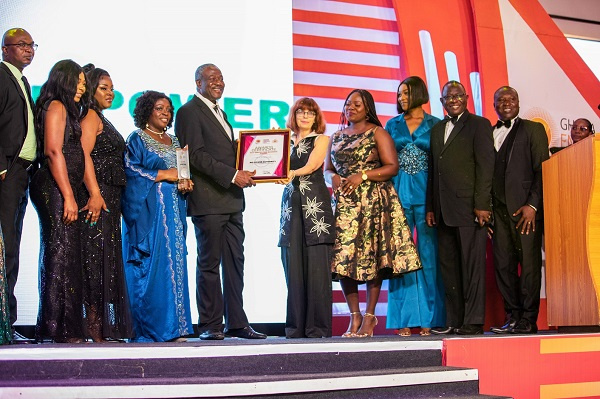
(459, 203)
(17, 151)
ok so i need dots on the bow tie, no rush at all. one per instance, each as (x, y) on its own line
(452, 119)
(499, 124)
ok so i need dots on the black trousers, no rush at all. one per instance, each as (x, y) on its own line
(13, 202)
(462, 252)
(220, 249)
(308, 277)
(521, 294)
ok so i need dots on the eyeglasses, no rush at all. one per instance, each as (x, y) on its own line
(24, 46)
(161, 109)
(459, 97)
(310, 114)
(583, 129)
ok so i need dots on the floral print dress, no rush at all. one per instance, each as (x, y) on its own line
(372, 235)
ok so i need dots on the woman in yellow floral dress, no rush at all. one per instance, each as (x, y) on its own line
(373, 241)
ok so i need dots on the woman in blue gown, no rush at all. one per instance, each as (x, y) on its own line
(154, 210)
(415, 299)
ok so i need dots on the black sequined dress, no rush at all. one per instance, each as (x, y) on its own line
(60, 314)
(104, 276)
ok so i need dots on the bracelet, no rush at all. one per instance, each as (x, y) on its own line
(292, 174)
(533, 207)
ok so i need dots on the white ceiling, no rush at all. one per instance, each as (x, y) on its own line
(576, 18)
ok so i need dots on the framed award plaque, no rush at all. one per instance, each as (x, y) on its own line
(265, 151)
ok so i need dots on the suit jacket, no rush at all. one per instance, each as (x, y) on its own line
(212, 160)
(13, 117)
(523, 176)
(461, 170)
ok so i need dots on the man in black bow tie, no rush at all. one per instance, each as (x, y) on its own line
(459, 204)
(521, 147)
(17, 151)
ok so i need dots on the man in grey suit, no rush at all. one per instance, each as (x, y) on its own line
(459, 203)
(521, 147)
(216, 207)
(17, 151)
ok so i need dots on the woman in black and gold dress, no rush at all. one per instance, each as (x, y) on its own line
(56, 193)
(307, 227)
(373, 240)
(106, 302)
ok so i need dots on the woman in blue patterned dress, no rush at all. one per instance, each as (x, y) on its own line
(415, 299)
(307, 227)
(154, 210)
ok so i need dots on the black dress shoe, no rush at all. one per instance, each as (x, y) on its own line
(524, 326)
(506, 328)
(20, 339)
(246, 332)
(470, 329)
(442, 330)
(212, 335)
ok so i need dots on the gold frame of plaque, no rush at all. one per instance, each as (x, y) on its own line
(262, 149)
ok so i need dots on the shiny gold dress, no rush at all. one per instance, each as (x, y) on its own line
(372, 235)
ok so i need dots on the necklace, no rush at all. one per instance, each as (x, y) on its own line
(160, 135)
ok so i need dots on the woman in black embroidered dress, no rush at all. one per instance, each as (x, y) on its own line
(307, 227)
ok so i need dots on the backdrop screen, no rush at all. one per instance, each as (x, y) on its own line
(158, 45)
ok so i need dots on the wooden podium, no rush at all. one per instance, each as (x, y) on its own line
(572, 229)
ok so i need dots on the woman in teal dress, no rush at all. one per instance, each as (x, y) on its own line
(154, 210)
(415, 299)
(5, 330)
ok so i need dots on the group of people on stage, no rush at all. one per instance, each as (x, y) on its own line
(450, 182)
(97, 281)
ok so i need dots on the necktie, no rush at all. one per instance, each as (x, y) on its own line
(27, 89)
(452, 119)
(222, 120)
(499, 124)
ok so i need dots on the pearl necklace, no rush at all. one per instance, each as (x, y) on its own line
(160, 135)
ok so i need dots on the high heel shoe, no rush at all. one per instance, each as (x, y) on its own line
(351, 329)
(369, 333)
(425, 331)
(405, 332)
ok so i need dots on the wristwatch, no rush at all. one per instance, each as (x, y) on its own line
(364, 176)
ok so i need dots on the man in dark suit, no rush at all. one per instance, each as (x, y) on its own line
(17, 151)
(216, 207)
(521, 147)
(459, 203)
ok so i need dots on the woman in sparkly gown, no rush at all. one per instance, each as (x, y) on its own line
(154, 211)
(105, 295)
(56, 192)
(416, 299)
(307, 227)
(5, 330)
(373, 240)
